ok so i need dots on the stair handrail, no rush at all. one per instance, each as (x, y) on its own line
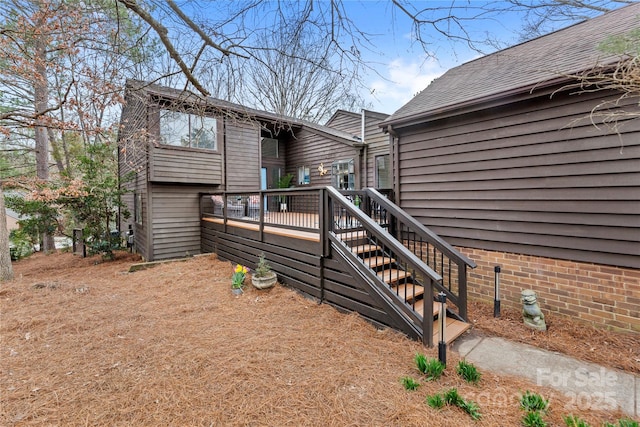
(431, 278)
(382, 234)
(420, 229)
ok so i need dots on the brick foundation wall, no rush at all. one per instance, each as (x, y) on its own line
(604, 295)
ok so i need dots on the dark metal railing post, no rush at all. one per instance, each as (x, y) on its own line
(261, 213)
(427, 317)
(462, 290)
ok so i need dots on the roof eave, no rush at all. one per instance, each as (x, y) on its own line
(501, 98)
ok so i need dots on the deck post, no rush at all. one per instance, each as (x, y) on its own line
(324, 221)
(462, 291)
(427, 317)
(261, 219)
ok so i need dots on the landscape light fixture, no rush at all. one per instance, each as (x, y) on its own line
(496, 300)
(442, 317)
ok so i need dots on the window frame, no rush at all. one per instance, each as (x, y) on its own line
(388, 169)
(137, 208)
(304, 175)
(191, 130)
(343, 168)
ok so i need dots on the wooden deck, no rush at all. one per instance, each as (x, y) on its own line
(278, 231)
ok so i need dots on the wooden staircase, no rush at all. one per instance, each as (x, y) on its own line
(401, 282)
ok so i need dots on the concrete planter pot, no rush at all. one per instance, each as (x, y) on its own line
(236, 291)
(264, 282)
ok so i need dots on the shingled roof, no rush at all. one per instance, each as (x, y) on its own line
(260, 115)
(535, 63)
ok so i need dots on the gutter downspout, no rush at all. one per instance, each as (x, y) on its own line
(365, 153)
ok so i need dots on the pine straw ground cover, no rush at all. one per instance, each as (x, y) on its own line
(85, 343)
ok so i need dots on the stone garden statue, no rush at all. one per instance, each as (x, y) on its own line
(531, 313)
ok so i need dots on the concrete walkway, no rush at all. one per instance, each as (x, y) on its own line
(588, 386)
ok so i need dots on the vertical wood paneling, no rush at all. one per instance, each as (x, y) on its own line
(133, 162)
(242, 152)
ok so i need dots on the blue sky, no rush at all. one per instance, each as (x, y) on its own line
(401, 66)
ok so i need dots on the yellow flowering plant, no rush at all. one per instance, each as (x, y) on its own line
(237, 279)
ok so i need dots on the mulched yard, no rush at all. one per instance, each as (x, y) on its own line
(86, 343)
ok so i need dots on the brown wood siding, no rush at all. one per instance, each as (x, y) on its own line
(185, 166)
(534, 177)
(132, 165)
(377, 144)
(176, 220)
(346, 121)
(310, 149)
(242, 155)
(377, 141)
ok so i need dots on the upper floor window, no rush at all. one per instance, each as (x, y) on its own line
(343, 175)
(270, 148)
(383, 171)
(188, 130)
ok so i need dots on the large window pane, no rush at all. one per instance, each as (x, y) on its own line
(203, 132)
(188, 130)
(174, 128)
(383, 172)
(343, 174)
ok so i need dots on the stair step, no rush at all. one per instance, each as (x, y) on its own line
(352, 235)
(394, 275)
(454, 329)
(362, 249)
(412, 291)
(377, 261)
(419, 308)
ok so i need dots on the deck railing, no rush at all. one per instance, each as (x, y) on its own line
(340, 217)
(398, 274)
(266, 207)
(448, 262)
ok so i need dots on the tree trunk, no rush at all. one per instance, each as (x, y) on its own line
(6, 269)
(41, 98)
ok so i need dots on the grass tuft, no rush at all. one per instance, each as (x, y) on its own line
(435, 401)
(410, 384)
(468, 372)
(533, 402)
(432, 368)
(533, 419)
(574, 421)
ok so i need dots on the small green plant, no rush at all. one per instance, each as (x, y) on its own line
(432, 368)
(452, 397)
(468, 372)
(237, 278)
(263, 268)
(573, 421)
(471, 408)
(625, 422)
(533, 402)
(409, 383)
(435, 401)
(533, 419)
(20, 245)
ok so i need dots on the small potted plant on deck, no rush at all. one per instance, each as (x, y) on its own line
(237, 279)
(263, 277)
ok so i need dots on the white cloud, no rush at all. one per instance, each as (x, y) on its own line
(400, 80)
